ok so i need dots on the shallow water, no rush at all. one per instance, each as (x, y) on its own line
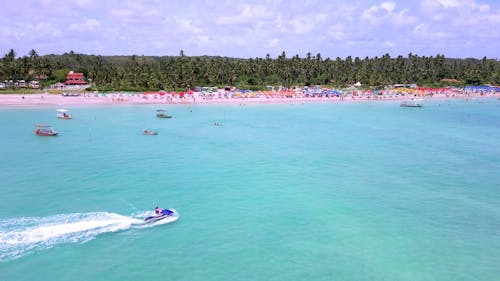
(354, 191)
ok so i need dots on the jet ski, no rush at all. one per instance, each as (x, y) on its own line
(165, 213)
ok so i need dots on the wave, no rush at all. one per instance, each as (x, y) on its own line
(20, 236)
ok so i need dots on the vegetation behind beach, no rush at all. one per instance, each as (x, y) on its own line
(139, 73)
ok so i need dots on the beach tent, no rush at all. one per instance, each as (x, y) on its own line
(483, 88)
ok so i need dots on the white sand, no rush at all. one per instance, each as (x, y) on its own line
(34, 100)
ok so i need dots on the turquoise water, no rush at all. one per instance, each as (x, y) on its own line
(352, 191)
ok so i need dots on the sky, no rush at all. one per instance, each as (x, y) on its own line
(253, 28)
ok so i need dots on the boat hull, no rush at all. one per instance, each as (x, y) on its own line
(45, 134)
(171, 215)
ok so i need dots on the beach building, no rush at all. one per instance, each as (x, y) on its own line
(37, 76)
(34, 84)
(406, 86)
(20, 84)
(75, 79)
(57, 86)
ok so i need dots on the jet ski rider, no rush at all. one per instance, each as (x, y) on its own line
(158, 210)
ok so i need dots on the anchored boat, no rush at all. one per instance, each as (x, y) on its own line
(45, 131)
(412, 103)
(160, 113)
(63, 114)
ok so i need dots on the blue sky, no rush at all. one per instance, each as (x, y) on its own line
(245, 29)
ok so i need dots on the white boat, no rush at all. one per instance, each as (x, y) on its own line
(45, 131)
(412, 103)
(160, 113)
(63, 114)
(150, 132)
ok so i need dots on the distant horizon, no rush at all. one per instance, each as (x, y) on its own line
(251, 29)
(288, 56)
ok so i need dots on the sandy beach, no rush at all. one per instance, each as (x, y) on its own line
(30, 100)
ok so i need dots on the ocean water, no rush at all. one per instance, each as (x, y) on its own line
(350, 191)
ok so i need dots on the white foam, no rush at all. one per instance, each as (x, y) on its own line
(22, 235)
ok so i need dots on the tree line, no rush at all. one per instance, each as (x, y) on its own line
(142, 73)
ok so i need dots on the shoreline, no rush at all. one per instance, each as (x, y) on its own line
(43, 100)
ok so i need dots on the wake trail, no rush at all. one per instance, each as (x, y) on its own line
(20, 236)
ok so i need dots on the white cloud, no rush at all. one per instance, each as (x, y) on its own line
(248, 14)
(255, 11)
(252, 28)
(337, 32)
(280, 24)
(403, 17)
(274, 42)
(389, 44)
(301, 26)
(122, 12)
(422, 31)
(88, 25)
(385, 13)
(321, 18)
(38, 31)
(187, 25)
(84, 3)
(429, 6)
(47, 29)
(202, 39)
(388, 6)
(135, 11)
(449, 3)
(464, 16)
(456, 5)
(370, 14)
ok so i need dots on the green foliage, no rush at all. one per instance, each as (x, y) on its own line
(148, 73)
(252, 87)
(273, 79)
(473, 81)
(59, 75)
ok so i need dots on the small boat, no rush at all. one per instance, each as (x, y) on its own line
(165, 213)
(63, 114)
(412, 103)
(149, 132)
(45, 131)
(160, 113)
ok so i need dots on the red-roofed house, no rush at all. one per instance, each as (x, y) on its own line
(75, 78)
